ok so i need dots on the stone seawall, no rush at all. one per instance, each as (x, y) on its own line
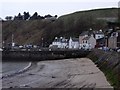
(109, 63)
(42, 55)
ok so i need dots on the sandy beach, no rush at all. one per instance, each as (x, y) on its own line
(67, 73)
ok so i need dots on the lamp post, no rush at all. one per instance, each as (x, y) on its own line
(12, 44)
(3, 44)
(42, 42)
(106, 37)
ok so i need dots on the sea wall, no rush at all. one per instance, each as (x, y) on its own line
(42, 55)
(109, 63)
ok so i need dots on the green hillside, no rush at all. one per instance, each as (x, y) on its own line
(32, 31)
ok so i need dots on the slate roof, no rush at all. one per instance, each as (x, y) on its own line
(75, 39)
(101, 40)
(86, 38)
(61, 40)
(84, 33)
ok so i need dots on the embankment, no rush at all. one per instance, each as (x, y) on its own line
(109, 63)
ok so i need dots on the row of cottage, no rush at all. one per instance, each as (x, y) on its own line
(89, 40)
(86, 40)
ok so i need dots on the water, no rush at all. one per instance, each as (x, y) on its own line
(12, 67)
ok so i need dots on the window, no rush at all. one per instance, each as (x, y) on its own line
(98, 36)
(86, 41)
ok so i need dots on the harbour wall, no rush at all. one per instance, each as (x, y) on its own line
(42, 55)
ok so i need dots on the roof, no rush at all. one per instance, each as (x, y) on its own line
(63, 40)
(75, 39)
(101, 39)
(86, 38)
(84, 33)
(98, 32)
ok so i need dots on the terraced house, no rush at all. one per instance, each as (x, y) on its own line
(114, 36)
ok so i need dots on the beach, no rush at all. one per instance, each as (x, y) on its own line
(67, 73)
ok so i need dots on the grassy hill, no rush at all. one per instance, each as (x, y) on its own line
(32, 31)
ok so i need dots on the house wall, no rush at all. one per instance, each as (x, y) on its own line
(85, 44)
(92, 42)
(112, 42)
(81, 38)
(64, 45)
(70, 43)
(56, 43)
(73, 44)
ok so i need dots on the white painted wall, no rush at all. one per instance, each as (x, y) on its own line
(73, 44)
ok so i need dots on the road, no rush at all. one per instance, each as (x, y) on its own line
(67, 73)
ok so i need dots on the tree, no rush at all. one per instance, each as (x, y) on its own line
(26, 15)
(8, 17)
(34, 17)
(19, 17)
(40, 17)
(55, 16)
(47, 16)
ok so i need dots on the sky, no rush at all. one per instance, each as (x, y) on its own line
(53, 7)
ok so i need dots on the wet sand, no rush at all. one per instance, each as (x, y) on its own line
(67, 73)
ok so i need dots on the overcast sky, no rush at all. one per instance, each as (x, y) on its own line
(53, 7)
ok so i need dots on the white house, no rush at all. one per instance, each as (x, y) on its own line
(59, 43)
(73, 43)
(88, 42)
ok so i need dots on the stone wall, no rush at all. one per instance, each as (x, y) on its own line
(109, 63)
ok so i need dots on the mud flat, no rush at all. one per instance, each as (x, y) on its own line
(67, 73)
